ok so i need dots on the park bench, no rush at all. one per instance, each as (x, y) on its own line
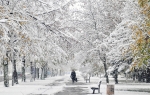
(87, 79)
(96, 88)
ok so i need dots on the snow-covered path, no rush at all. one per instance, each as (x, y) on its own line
(46, 87)
(62, 85)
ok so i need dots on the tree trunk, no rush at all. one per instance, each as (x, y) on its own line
(31, 72)
(45, 72)
(42, 74)
(105, 67)
(23, 70)
(89, 77)
(52, 73)
(34, 71)
(37, 73)
(14, 75)
(23, 74)
(5, 68)
(56, 72)
(116, 76)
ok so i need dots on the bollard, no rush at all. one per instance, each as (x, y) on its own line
(110, 89)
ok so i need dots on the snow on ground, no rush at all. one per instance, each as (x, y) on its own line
(52, 85)
(123, 88)
(35, 87)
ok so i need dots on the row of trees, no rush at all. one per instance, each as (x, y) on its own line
(34, 32)
(71, 33)
(118, 29)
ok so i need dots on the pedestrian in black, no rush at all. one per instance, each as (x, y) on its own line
(73, 76)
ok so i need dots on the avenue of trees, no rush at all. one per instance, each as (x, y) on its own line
(53, 35)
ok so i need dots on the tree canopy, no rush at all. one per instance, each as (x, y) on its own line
(69, 32)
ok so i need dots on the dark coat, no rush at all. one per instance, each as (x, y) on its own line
(73, 75)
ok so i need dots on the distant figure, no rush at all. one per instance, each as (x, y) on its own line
(73, 76)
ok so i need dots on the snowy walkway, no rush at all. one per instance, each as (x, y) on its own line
(62, 85)
(49, 86)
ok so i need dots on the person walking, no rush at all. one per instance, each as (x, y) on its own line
(73, 76)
